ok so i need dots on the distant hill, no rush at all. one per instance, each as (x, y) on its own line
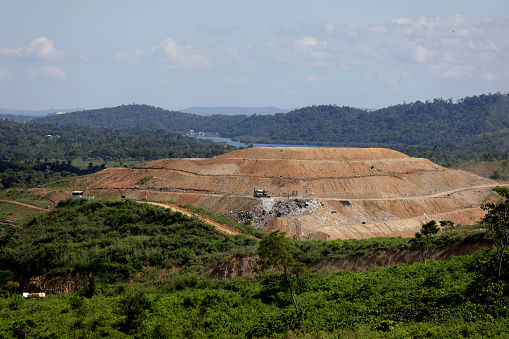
(234, 110)
(17, 118)
(403, 126)
(39, 113)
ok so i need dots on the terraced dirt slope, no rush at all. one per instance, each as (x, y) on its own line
(349, 192)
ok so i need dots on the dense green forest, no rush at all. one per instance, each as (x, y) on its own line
(118, 248)
(124, 233)
(34, 154)
(451, 131)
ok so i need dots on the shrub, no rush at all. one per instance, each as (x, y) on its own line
(135, 306)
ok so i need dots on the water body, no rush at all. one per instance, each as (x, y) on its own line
(240, 144)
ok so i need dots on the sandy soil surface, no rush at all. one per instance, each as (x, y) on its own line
(359, 193)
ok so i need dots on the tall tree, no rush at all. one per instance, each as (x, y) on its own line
(275, 255)
(497, 221)
(423, 237)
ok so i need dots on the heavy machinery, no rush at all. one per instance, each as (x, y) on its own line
(260, 194)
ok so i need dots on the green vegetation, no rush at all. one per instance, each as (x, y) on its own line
(125, 234)
(35, 154)
(473, 128)
(244, 227)
(7, 209)
(423, 238)
(118, 247)
(143, 271)
(405, 301)
(275, 254)
(497, 221)
(26, 196)
(143, 180)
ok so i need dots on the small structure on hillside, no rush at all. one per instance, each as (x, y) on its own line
(34, 295)
(79, 194)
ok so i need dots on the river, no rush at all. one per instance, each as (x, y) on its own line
(240, 144)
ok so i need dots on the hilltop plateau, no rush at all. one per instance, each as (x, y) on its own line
(315, 193)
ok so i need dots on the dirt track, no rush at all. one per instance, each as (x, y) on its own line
(26, 205)
(436, 195)
(220, 227)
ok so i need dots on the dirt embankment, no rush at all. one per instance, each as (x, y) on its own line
(360, 193)
(243, 267)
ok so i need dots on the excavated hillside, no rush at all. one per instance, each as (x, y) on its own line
(317, 193)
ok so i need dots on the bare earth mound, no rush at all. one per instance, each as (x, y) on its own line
(320, 193)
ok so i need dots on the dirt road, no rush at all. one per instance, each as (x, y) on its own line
(430, 196)
(220, 227)
(26, 205)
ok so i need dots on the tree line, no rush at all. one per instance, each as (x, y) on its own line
(33, 154)
(467, 128)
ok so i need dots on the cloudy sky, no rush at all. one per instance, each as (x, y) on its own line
(285, 53)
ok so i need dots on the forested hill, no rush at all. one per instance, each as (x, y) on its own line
(127, 117)
(437, 122)
(34, 154)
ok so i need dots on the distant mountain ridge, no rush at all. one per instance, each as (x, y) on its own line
(234, 110)
(479, 123)
(39, 113)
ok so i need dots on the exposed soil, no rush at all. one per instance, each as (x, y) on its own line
(315, 193)
(349, 193)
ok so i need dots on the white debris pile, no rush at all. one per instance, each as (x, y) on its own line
(262, 214)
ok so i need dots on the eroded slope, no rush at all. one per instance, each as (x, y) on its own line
(361, 192)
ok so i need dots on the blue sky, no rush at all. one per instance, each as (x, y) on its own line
(289, 54)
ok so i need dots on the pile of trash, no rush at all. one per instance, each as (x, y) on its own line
(270, 209)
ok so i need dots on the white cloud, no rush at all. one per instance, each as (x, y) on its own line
(313, 78)
(53, 72)
(309, 43)
(305, 52)
(4, 74)
(169, 53)
(216, 30)
(179, 57)
(40, 48)
(451, 71)
(488, 76)
(125, 57)
(50, 71)
(390, 80)
(421, 54)
(240, 56)
(452, 47)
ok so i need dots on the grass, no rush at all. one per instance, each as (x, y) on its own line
(488, 169)
(241, 227)
(117, 163)
(143, 180)
(7, 210)
(64, 183)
